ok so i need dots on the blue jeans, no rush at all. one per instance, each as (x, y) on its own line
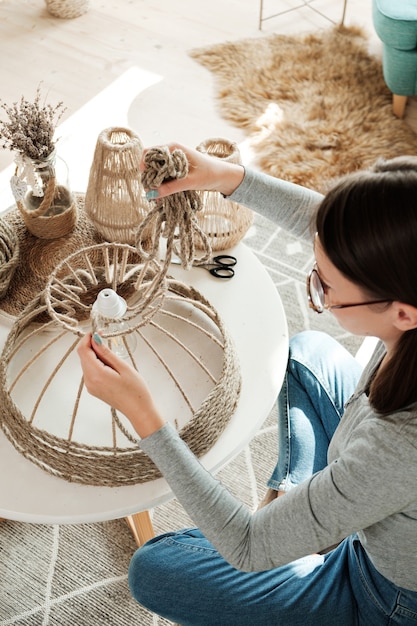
(182, 577)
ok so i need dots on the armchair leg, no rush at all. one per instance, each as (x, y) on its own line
(398, 105)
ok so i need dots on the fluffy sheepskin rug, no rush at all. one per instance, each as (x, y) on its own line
(315, 107)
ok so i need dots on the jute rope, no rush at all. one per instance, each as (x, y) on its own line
(9, 256)
(173, 217)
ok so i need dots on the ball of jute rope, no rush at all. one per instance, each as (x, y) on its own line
(67, 9)
(9, 255)
(174, 217)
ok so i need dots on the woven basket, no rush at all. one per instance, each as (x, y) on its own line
(50, 226)
(9, 255)
(67, 9)
(46, 203)
(115, 200)
(224, 222)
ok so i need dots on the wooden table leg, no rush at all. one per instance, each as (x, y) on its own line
(141, 527)
(398, 105)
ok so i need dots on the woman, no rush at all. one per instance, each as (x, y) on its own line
(347, 459)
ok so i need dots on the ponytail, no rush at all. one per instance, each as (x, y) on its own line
(395, 387)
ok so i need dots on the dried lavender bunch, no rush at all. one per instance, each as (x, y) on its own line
(31, 126)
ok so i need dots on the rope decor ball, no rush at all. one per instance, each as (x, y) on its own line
(67, 9)
(115, 200)
(182, 349)
(224, 222)
(9, 255)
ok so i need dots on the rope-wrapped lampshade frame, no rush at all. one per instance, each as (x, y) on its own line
(122, 462)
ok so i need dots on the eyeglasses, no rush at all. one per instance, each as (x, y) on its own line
(317, 297)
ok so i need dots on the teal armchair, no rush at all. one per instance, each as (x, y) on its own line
(395, 22)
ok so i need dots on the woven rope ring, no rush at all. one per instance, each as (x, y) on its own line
(9, 255)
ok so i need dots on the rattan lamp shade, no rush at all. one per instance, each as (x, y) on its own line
(223, 221)
(115, 200)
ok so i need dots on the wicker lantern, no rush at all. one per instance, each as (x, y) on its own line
(225, 222)
(115, 200)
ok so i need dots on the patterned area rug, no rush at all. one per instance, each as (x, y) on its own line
(314, 107)
(77, 575)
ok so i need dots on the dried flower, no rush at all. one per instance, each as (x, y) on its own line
(31, 127)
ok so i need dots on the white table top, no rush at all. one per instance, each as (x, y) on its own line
(252, 312)
(248, 304)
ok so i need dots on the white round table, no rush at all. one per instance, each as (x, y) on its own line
(252, 312)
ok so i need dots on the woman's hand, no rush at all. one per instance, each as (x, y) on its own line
(206, 173)
(109, 378)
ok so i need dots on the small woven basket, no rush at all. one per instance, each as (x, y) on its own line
(115, 200)
(9, 255)
(67, 9)
(225, 222)
(49, 226)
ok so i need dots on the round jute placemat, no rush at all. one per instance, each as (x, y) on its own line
(39, 257)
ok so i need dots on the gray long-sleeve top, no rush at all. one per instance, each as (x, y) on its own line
(368, 487)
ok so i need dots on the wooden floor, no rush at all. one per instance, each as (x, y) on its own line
(165, 95)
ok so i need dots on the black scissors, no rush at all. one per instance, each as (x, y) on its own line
(220, 266)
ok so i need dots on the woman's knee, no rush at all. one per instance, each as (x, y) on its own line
(311, 343)
(143, 574)
(158, 567)
(324, 357)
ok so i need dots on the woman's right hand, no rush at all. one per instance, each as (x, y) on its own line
(108, 377)
(206, 173)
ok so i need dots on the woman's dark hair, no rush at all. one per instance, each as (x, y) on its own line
(367, 225)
